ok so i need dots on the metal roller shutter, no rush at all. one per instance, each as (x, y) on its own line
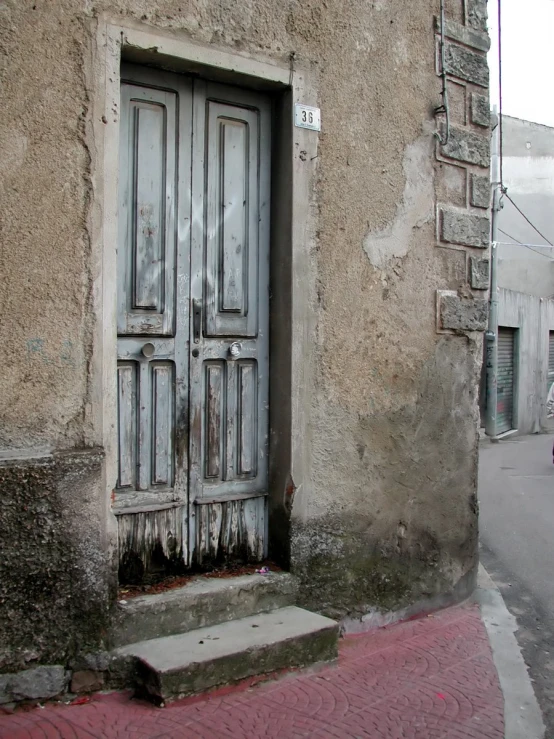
(550, 360)
(505, 380)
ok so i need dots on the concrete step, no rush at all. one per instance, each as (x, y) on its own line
(185, 664)
(202, 602)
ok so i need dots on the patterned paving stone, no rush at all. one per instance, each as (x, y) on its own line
(433, 678)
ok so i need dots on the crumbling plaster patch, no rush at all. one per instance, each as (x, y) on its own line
(414, 210)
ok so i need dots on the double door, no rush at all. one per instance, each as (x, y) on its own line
(192, 323)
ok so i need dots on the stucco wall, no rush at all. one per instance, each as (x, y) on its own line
(384, 509)
(524, 270)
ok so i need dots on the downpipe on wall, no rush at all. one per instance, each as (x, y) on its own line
(491, 336)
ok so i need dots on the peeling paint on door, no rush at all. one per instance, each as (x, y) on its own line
(192, 323)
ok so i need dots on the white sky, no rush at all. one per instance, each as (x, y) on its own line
(527, 59)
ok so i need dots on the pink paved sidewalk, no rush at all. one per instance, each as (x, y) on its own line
(422, 679)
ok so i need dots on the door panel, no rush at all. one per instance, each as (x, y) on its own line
(234, 529)
(150, 542)
(163, 404)
(214, 398)
(247, 417)
(230, 283)
(232, 241)
(127, 424)
(147, 205)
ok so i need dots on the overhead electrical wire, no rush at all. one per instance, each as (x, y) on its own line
(532, 247)
(528, 220)
(503, 189)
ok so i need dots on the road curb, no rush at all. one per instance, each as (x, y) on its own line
(522, 715)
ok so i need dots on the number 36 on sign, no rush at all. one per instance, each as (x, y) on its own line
(307, 117)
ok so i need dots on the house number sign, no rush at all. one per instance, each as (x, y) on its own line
(307, 117)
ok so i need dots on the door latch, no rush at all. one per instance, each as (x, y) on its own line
(148, 350)
(196, 319)
(235, 349)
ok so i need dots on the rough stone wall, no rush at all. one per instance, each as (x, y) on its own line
(386, 514)
(54, 570)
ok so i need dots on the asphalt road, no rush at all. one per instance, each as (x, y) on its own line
(516, 499)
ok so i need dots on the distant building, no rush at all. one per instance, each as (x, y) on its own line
(525, 276)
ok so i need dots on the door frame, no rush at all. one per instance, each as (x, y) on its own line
(293, 242)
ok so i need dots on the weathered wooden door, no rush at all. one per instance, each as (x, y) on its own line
(193, 302)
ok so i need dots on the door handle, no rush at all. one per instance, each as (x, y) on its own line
(235, 349)
(196, 319)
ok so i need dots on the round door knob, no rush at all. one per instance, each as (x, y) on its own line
(235, 349)
(148, 350)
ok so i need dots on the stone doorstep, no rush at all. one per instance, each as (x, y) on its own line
(185, 664)
(203, 602)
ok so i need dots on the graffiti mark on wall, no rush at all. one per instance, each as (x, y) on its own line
(60, 354)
